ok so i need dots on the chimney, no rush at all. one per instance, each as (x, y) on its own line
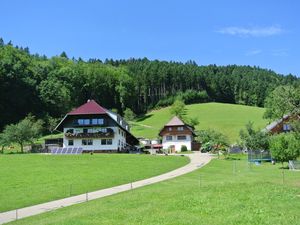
(88, 100)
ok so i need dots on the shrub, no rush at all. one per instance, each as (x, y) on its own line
(183, 148)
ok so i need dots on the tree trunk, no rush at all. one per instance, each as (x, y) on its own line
(21, 145)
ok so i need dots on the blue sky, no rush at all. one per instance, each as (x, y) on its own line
(263, 33)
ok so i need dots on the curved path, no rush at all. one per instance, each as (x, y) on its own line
(197, 160)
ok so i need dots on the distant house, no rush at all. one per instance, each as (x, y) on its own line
(176, 134)
(151, 146)
(96, 129)
(282, 125)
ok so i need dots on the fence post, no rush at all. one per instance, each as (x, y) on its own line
(200, 180)
(70, 189)
(86, 196)
(234, 167)
(282, 170)
(131, 185)
(17, 214)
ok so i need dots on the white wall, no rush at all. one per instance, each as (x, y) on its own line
(97, 141)
(177, 143)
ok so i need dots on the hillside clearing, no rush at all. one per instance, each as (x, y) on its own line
(226, 118)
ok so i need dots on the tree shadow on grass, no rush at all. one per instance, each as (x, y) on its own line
(232, 158)
(15, 153)
(143, 117)
(284, 167)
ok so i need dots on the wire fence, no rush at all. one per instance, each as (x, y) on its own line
(23, 196)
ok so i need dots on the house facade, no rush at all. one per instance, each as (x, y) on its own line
(176, 134)
(96, 129)
(282, 125)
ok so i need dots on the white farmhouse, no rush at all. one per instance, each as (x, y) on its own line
(93, 128)
(176, 134)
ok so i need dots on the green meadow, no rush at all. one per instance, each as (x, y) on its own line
(222, 192)
(28, 179)
(226, 118)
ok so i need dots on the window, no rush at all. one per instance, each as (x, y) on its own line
(106, 141)
(87, 130)
(87, 142)
(71, 131)
(169, 128)
(70, 142)
(104, 130)
(169, 138)
(97, 121)
(100, 121)
(80, 121)
(180, 128)
(84, 121)
(181, 137)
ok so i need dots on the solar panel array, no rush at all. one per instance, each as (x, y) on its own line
(66, 151)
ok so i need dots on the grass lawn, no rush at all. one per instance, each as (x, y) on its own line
(28, 179)
(215, 194)
(226, 118)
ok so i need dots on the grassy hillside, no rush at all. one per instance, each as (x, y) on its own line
(215, 194)
(31, 179)
(226, 118)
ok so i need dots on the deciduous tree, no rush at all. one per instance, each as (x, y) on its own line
(283, 100)
(129, 115)
(254, 139)
(23, 132)
(178, 109)
(284, 147)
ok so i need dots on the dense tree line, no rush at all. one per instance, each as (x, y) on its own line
(50, 87)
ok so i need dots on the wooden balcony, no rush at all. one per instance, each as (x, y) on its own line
(99, 134)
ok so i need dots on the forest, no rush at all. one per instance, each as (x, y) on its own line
(49, 87)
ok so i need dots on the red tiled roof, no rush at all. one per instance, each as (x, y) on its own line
(175, 121)
(91, 107)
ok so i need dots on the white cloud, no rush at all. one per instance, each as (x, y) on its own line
(251, 31)
(253, 52)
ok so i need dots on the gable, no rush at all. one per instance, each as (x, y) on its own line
(173, 130)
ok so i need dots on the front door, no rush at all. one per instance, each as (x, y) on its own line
(172, 148)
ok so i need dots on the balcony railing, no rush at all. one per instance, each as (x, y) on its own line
(108, 134)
